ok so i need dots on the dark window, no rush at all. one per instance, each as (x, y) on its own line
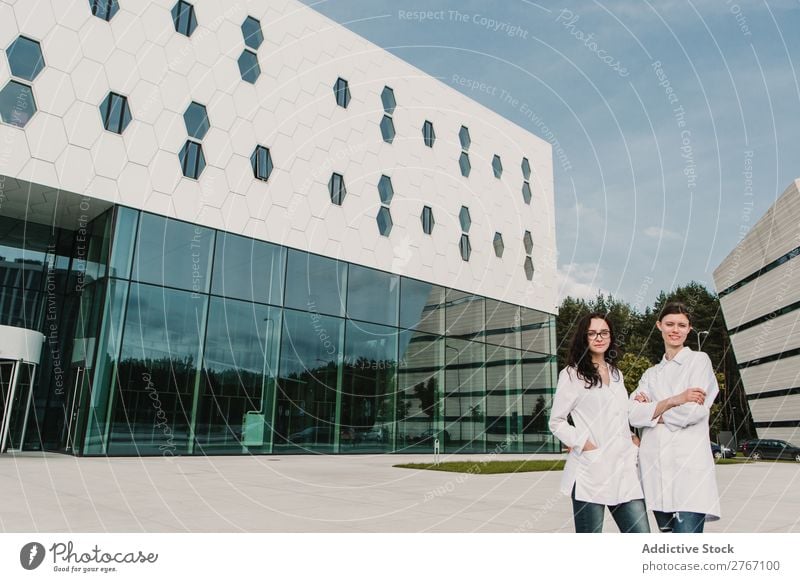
(499, 247)
(384, 219)
(526, 169)
(528, 240)
(193, 162)
(463, 162)
(25, 58)
(316, 284)
(387, 129)
(249, 67)
(385, 189)
(17, 104)
(463, 136)
(341, 89)
(528, 268)
(497, 166)
(464, 247)
(184, 18)
(337, 189)
(526, 192)
(428, 134)
(422, 306)
(427, 219)
(251, 29)
(261, 160)
(372, 295)
(248, 269)
(387, 98)
(196, 119)
(465, 219)
(105, 9)
(115, 113)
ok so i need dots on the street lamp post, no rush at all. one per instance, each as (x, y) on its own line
(699, 335)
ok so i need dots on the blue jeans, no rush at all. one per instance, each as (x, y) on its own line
(680, 521)
(631, 516)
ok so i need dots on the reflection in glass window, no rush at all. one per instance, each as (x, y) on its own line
(158, 371)
(420, 384)
(526, 192)
(336, 189)
(341, 90)
(173, 253)
(387, 129)
(503, 402)
(261, 160)
(251, 30)
(310, 360)
(240, 367)
(385, 189)
(421, 306)
(526, 169)
(535, 332)
(193, 162)
(196, 119)
(17, 104)
(527, 240)
(497, 166)
(427, 219)
(465, 402)
(183, 17)
(502, 324)
(387, 98)
(105, 9)
(499, 247)
(463, 162)
(25, 58)
(316, 284)
(372, 295)
(528, 268)
(248, 269)
(463, 137)
(428, 134)
(465, 219)
(464, 247)
(249, 67)
(465, 314)
(384, 220)
(115, 113)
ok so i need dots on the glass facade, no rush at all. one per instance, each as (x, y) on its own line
(192, 341)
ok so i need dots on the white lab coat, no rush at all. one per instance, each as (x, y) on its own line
(608, 474)
(675, 459)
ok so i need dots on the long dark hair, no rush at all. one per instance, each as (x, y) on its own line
(581, 359)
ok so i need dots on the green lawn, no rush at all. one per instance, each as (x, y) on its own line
(488, 467)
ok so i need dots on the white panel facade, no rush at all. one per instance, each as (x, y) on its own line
(291, 109)
(769, 292)
(777, 375)
(776, 408)
(774, 336)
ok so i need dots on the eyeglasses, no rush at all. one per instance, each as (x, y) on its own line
(603, 334)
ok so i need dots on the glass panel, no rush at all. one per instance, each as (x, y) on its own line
(464, 314)
(421, 306)
(159, 372)
(372, 295)
(502, 324)
(249, 67)
(127, 221)
(420, 381)
(173, 253)
(248, 269)
(17, 104)
(25, 58)
(368, 388)
(465, 401)
(310, 369)
(503, 400)
(535, 331)
(234, 412)
(315, 283)
(538, 388)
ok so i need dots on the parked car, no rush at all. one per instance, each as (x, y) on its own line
(744, 444)
(376, 434)
(721, 451)
(311, 435)
(770, 449)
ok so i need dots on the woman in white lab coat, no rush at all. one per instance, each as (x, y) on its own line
(601, 465)
(672, 406)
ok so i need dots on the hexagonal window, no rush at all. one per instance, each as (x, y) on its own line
(499, 247)
(464, 247)
(526, 192)
(387, 129)
(526, 169)
(463, 137)
(385, 189)
(115, 113)
(184, 18)
(25, 58)
(527, 239)
(17, 104)
(341, 89)
(427, 219)
(337, 189)
(251, 29)
(385, 223)
(466, 167)
(261, 160)
(105, 9)
(387, 98)
(528, 269)
(196, 119)
(193, 162)
(497, 166)
(249, 67)
(428, 134)
(464, 219)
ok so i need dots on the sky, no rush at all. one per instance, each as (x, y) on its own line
(674, 123)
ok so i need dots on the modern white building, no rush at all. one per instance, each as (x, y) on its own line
(759, 290)
(242, 228)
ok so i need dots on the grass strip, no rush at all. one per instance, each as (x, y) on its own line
(487, 467)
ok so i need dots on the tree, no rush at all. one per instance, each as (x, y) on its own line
(632, 367)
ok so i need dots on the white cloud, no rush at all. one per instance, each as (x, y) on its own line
(660, 233)
(580, 280)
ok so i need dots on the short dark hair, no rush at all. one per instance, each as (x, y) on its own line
(675, 307)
